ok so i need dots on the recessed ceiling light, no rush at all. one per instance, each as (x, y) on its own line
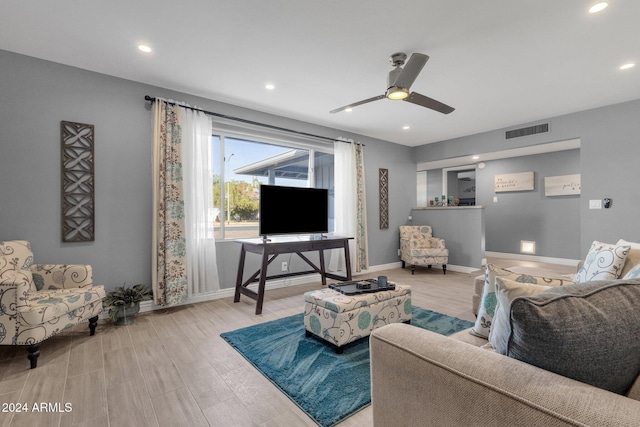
(144, 48)
(270, 86)
(348, 110)
(598, 7)
(627, 66)
(406, 127)
(475, 157)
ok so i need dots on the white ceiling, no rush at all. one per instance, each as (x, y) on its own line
(498, 62)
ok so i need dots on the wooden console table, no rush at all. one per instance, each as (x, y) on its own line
(270, 249)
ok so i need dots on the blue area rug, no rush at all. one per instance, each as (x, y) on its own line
(329, 387)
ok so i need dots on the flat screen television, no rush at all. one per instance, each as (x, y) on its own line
(293, 210)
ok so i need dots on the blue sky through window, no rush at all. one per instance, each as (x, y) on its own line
(239, 153)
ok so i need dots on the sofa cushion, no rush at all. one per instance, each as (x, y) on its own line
(506, 291)
(588, 332)
(633, 258)
(487, 307)
(604, 261)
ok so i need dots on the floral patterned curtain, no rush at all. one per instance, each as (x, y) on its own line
(169, 279)
(362, 252)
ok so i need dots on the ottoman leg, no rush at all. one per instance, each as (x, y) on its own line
(444, 268)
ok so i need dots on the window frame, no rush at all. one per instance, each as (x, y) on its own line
(288, 141)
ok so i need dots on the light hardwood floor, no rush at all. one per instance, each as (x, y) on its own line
(171, 368)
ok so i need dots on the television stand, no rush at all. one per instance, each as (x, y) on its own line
(270, 249)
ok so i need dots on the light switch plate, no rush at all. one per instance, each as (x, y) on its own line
(595, 204)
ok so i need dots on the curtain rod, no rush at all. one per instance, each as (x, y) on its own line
(251, 122)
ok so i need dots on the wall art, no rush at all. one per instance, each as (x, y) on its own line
(383, 182)
(78, 185)
(522, 181)
(563, 185)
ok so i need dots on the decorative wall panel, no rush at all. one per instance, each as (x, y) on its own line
(383, 179)
(78, 186)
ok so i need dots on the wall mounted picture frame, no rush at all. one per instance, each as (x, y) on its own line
(522, 181)
(562, 185)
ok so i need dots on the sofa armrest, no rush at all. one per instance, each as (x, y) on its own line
(422, 378)
(63, 276)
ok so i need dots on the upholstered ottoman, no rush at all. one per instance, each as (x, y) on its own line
(340, 319)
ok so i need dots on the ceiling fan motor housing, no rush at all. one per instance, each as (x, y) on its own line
(393, 76)
(398, 59)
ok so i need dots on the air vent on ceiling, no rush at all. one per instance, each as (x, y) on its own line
(531, 130)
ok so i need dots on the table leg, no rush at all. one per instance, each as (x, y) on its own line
(243, 253)
(261, 283)
(347, 259)
(323, 271)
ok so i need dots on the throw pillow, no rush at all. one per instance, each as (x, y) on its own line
(634, 273)
(604, 261)
(487, 307)
(506, 291)
(633, 258)
(588, 332)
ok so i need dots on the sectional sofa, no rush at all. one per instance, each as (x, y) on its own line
(568, 357)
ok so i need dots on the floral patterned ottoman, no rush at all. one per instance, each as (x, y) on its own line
(340, 319)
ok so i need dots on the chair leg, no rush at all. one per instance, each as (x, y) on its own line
(34, 352)
(93, 322)
(429, 266)
(403, 264)
(444, 268)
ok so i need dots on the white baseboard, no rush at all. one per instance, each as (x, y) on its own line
(534, 258)
(281, 283)
(381, 267)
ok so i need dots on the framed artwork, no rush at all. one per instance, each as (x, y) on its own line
(522, 181)
(563, 185)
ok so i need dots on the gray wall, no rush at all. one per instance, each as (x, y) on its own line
(552, 222)
(608, 167)
(463, 230)
(37, 95)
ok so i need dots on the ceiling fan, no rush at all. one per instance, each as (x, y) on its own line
(400, 80)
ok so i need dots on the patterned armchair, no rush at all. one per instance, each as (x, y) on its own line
(419, 247)
(38, 301)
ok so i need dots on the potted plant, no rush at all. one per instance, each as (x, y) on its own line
(124, 302)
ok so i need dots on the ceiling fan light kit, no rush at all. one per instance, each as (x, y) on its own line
(399, 82)
(397, 93)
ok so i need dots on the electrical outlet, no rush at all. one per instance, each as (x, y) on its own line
(398, 252)
(284, 266)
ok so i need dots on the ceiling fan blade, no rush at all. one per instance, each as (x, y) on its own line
(355, 104)
(425, 101)
(411, 70)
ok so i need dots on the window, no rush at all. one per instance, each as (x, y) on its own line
(240, 165)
